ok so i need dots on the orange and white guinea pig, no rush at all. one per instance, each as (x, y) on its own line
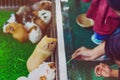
(42, 5)
(45, 71)
(43, 18)
(17, 30)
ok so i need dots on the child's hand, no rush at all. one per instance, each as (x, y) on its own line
(102, 70)
(84, 53)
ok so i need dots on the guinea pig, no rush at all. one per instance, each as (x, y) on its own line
(23, 15)
(44, 49)
(43, 18)
(45, 71)
(12, 18)
(23, 10)
(35, 33)
(46, 5)
(18, 31)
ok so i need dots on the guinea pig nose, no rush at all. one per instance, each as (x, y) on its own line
(45, 17)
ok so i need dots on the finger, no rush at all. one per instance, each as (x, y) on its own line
(101, 64)
(81, 48)
(77, 51)
(74, 55)
(100, 68)
(97, 70)
(105, 74)
(106, 68)
(105, 71)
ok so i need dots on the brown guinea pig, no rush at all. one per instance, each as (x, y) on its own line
(18, 31)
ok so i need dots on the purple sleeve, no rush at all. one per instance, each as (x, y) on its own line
(86, 0)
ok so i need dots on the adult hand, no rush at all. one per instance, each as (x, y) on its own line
(84, 53)
(103, 70)
(89, 54)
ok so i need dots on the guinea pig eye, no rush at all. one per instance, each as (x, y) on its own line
(43, 13)
(45, 17)
(6, 22)
(52, 43)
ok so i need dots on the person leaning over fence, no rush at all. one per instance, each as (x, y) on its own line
(105, 19)
(112, 50)
(91, 54)
(111, 46)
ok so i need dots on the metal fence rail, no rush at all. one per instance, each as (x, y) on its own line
(13, 4)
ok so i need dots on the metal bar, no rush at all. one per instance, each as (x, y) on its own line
(3, 2)
(0, 2)
(61, 47)
(12, 4)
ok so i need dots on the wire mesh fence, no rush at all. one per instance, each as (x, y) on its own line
(13, 4)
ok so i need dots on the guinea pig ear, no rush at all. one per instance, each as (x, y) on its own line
(16, 15)
(42, 4)
(45, 46)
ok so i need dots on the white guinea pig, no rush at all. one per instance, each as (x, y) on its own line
(10, 20)
(46, 71)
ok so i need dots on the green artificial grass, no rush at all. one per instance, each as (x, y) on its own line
(13, 54)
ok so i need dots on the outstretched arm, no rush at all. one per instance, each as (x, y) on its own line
(89, 54)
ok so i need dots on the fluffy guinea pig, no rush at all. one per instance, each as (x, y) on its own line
(23, 10)
(44, 49)
(42, 5)
(23, 14)
(35, 33)
(18, 31)
(43, 18)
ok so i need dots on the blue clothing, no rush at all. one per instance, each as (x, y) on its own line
(98, 39)
(101, 37)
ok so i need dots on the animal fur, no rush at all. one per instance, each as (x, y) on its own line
(42, 51)
(45, 71)
(18, 31)
(43, 18)
(46, 5)
(35, 33)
